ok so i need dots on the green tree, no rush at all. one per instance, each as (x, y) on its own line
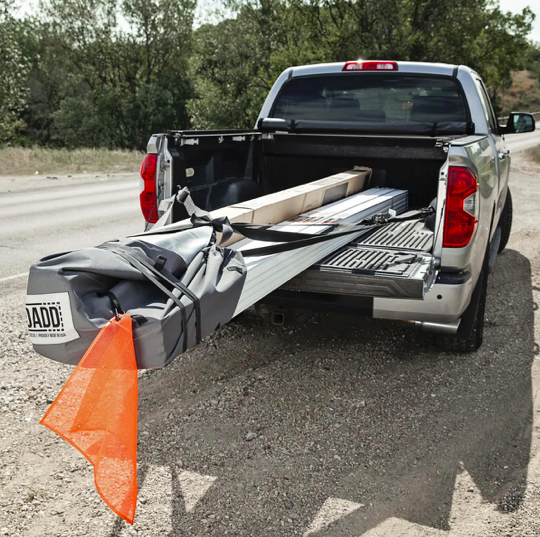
(14, 68)
(109, 73)
(477, 34)
(236, 61)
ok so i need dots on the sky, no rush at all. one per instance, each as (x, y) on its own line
(517, 6)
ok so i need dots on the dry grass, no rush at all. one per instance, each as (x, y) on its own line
(534, 153)
(24, 161)
(523, 95)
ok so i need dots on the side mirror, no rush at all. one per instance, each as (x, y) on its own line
(518, 122)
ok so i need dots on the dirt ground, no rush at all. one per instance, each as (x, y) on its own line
(339, 427)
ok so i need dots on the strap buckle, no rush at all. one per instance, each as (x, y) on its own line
(426, 211)
(377, 219)
(182, 195)
(115, 303)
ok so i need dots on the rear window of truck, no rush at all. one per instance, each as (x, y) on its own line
(378, 98)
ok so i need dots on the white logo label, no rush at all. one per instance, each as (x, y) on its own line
(49, 319)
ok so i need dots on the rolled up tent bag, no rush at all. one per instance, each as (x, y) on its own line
(177, 287)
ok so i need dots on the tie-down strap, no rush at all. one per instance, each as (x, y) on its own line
(163, 280)
(259, 232)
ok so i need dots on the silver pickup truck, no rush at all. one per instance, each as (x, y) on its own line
(426, 128)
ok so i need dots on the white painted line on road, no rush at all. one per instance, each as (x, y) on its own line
(14, 277)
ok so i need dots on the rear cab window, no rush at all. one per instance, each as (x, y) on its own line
(372, 98)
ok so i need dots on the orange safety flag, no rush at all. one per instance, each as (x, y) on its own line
(96, 412)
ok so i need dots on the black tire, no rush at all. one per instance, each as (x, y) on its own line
(505, 222)
(471, 329)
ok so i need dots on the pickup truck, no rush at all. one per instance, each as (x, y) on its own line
(426, 128)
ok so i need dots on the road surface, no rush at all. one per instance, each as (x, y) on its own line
(40, 216)
(520, 142)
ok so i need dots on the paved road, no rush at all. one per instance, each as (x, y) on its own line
(39, 216)
(59, 216)
(520, 142)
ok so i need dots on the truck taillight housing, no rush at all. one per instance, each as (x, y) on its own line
(460, 217)
(148, 189)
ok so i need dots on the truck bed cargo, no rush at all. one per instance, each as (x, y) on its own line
(428, 129)
(265, 274)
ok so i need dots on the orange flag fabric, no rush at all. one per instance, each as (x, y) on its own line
(96, 412)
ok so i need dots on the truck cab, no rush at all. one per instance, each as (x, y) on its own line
(426, 128)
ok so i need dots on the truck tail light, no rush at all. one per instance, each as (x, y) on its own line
(148, 189)
(370, 66)
(460, 219)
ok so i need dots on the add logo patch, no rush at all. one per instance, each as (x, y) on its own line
(49, 319)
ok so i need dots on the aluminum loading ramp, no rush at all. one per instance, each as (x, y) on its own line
(267, 273)
(392, 262)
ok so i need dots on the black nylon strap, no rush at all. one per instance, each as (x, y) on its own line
(145, 265)
(117, 308)
(171, 280)
(291, 241)
(263, 233)
(313, 239)
(156, 282)
(199, 217)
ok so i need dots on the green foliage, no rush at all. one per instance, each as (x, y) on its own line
(532, 60)
(108, 73)
(13, 74)
(238, 59)
(97, 83)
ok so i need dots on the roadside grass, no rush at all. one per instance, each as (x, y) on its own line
(523, 95)
(534, 153)
(28, 161)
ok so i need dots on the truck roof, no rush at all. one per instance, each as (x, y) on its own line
(403, 67)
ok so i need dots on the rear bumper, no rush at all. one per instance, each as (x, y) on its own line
(444, 303)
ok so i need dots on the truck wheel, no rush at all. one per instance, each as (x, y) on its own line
(505, 223)
(471, 329)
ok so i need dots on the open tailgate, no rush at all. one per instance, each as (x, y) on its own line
(394, 262)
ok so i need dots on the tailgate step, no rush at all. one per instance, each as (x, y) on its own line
(369, 271)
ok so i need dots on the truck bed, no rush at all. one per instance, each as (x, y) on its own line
(222, 168)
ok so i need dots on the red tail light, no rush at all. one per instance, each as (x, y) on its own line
(460, 219)
(370, 66)
(148, 189)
